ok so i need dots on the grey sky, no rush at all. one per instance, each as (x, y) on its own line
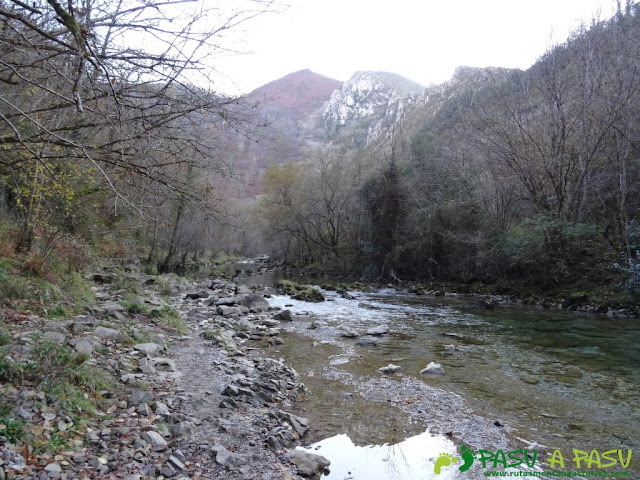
(423, 40)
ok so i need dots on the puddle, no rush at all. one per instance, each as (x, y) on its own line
(411, 459)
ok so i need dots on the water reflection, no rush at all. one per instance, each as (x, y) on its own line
(411, 459)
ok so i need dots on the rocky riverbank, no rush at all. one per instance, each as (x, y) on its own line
(183, 403)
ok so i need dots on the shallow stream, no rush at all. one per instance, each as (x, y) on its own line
(515, 377)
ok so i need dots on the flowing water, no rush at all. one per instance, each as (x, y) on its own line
(555, 380)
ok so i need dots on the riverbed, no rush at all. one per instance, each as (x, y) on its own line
(515, 378)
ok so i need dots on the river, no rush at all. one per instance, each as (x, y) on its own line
(515, 378)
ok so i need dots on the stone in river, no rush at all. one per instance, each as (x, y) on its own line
(391, 368)
(432, 369)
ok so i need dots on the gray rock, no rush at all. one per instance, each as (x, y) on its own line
(13, 460)
(161, 362)
(144, 410)
(22, 413)
(391, 368)
(168, 471)
(198, 294)
(182, 428)
(230, 460)
(161, 408)
(529, 380)
(147, 347)
(82, 345)
(177, 453)
(245, 325)
(268, 322)
(227, 311)
(309, 464)
(111, 307)
(53, 468)
(209, 302)
(138, 396)
(378, 330)
(107, 333)
(159, 339)
(155, 440)
(284, 315)
(450, 349)
(299, 424)
(102, 277)
(51, 326)
(432, 369)
(367, 342)
(317, 324)
(348, 332)
(226, 340)
(83, 323)
(243, 290)
(253, 302)
(176, 462)
(57, 337)
(229, 301)
(280, 438)
(146, 367)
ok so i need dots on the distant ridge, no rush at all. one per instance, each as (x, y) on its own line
(299, 93)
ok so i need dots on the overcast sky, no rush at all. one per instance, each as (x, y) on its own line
(424, 40)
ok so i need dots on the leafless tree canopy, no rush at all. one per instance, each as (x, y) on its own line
(114, 93)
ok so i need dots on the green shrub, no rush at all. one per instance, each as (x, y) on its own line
(11, 428)
(170, 319)
(136, 307)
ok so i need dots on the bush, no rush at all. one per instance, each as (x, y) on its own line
(11, 428)
(170, 319)
(299, 292)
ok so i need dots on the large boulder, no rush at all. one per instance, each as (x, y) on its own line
(309, 465)
(255, 303)
(284, 315)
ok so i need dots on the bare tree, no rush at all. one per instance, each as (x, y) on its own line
(108, 94)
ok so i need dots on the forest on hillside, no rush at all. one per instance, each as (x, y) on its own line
(531, 177)
(528, 176)
(110, 128)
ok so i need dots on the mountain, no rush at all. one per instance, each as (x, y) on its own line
(368, 104)
(304, 110)
(295, 96)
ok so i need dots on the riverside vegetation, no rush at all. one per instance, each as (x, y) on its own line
(502, 181)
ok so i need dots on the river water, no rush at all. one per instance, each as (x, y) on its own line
(515, 378)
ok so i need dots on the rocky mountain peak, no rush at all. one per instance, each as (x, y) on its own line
(379, 98)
